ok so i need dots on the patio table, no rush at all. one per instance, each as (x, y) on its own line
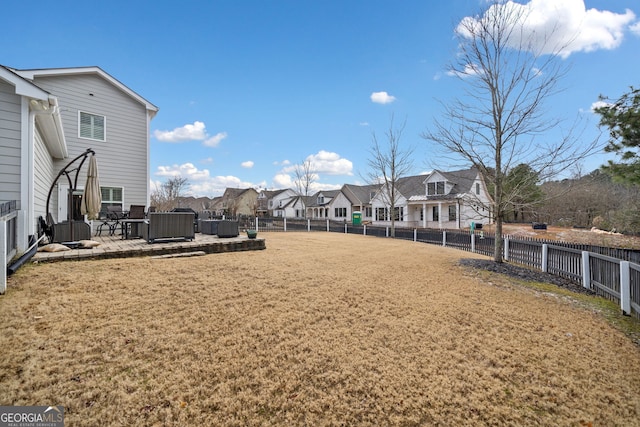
(134, 226)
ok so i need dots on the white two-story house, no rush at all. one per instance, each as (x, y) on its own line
(329, 204)
(439, 199)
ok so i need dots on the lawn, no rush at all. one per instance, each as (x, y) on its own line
(318, 329)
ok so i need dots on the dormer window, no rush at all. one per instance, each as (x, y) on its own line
(435, 188)
(320, 200)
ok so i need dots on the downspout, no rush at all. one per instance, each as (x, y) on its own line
(30, 252)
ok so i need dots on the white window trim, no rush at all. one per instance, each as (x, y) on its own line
(104, 118)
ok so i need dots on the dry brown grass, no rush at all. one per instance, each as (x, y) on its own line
(318, 329)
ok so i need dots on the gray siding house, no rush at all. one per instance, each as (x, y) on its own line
(50, 116)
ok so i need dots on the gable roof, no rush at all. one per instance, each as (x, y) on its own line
(46, 107)
(461, 180)
(23, 86)
(359, 194)
(411, 185)
(49, 72)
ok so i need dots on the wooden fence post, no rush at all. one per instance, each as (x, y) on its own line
(586, 270)
(444, 237)
(625, 287)
(308, 225)
(345, 228)
(473, 243)
(415, 234)
(285, 223)
(545, 257)
(364, 230)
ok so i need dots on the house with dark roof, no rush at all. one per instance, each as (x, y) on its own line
(329, 204)
(273, 202)
(239, 202)
(360, 197)
(440, 199)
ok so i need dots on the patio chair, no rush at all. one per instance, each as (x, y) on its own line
(114, 215)
(136, 212)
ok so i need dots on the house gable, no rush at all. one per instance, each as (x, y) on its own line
(34, 74)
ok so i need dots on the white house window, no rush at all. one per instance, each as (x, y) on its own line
(435, 212)
(477, 188)
(434, 188)
(320, 200)
(381, 214)
(111, 196)
(341, 212)
(368, 212)
(91, 126)
(398, 213)
(452, 212)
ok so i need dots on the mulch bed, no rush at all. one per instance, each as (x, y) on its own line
(524, 273)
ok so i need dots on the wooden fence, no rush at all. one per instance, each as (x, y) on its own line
(611, 273)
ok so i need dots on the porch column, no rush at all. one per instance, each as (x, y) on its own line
(439, 214)
(424, 215)
(458, 215)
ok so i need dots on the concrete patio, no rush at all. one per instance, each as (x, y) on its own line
(116, 247)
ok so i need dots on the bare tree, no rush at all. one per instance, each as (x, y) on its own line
(388, 163)
(166, 196)
(305, 177)
(500, 122)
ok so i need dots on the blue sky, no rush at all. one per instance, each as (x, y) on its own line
(247, 89)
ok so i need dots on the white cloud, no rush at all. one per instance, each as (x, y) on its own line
(282, 163)
(635, 28)
(201, 183)
(283, 180)
(364, 123)
(247, 165)
(214, 140)
(469, 71)
(326, 162)
(186, 170)
(382, 98)
(330, 163)
(194, 132)
(566, 26)
(190, 132)
(599, 104)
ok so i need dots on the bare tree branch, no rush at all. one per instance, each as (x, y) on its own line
(501, 121)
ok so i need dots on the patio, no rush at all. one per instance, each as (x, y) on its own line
(116, 247)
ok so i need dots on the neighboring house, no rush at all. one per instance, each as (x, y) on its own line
(360, 197)
(438, 200)
(50, 116)
(272, 203)
(240, 202)
(329, 204)
(198, 204)
(291, 208)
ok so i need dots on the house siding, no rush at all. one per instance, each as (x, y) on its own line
(10, 143)
(42, 175)
(123, 157)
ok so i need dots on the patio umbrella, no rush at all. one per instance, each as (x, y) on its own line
(92, 198)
